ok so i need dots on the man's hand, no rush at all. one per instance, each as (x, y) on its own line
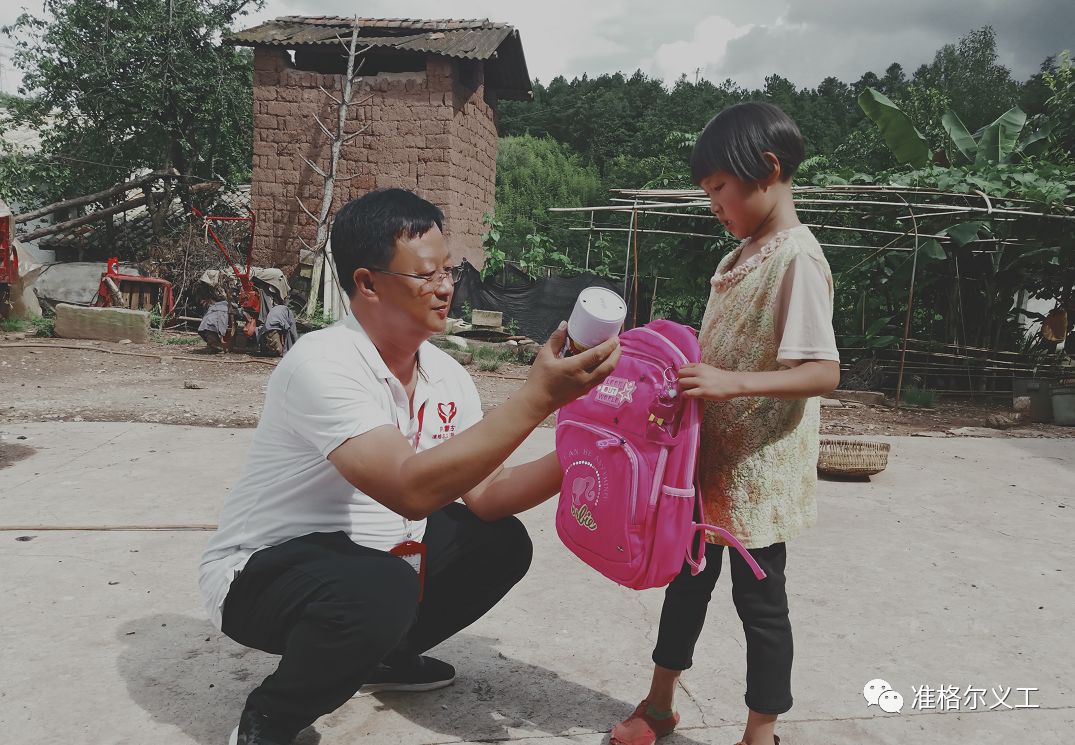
(554, 381)
(699, 380)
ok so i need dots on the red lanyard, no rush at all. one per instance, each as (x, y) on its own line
(421, 416)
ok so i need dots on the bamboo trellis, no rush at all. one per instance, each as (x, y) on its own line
(905, 205)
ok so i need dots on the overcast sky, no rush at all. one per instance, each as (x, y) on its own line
(803, 40)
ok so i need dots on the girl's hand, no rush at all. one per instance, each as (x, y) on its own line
(699, 380)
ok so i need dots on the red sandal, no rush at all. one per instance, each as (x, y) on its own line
(642, 728)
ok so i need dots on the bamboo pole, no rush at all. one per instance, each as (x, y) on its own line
(712, 235)
(647, 230)
(910, 306)
(845, 188)
(653, 299)
(634, 289)
(613, 208)
(627, 258)
(589, 240)
(819, 226)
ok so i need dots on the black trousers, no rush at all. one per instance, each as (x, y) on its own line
(333, 610)
(763, 609)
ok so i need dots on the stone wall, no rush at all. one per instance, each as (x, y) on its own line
(425, 131)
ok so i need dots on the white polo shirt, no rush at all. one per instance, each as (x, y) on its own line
(332, 386)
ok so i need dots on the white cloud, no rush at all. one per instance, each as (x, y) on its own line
(701, 53)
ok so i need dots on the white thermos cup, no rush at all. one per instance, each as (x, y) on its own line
(597, 317)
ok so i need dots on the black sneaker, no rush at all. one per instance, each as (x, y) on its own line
(257, 729)
(422, 674)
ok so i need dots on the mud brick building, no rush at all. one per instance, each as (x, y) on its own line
(429, 90)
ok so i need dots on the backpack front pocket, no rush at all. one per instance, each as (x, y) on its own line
(600, 499)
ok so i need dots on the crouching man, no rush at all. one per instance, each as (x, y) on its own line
(343, 548)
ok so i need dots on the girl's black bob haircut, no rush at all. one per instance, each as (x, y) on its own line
(735, 139)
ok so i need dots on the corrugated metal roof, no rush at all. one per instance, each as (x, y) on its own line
(425, 24)
(479, 39)
(465, 39)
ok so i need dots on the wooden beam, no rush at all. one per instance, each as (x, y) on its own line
(130, 204)
(84, 220)
(90, 198)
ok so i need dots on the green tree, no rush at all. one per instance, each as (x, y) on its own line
(968, 75)
(1060, 106)
(533, 174)
(135, 84)
(23, 177)
(1035, 92)
(894, 81)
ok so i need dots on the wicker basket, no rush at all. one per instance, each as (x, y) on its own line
(852, 457)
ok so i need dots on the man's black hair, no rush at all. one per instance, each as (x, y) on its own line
(735, 139)
(365, 230)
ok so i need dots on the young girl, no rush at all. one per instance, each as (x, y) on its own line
(768, 351)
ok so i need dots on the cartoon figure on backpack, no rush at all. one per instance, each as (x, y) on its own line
(585, 485)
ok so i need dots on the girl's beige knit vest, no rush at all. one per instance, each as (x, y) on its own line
(758, 455)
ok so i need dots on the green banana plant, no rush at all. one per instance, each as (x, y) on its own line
(1002, 141)
(900, 134)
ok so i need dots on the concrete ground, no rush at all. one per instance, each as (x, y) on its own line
(952, 568)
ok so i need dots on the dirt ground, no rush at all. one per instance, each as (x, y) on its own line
(175, 381)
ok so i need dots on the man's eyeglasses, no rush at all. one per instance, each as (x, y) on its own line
(432, 279)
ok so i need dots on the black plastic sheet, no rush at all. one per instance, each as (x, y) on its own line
(535, 305)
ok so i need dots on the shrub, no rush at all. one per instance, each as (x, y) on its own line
(924, 397)
(490, 358)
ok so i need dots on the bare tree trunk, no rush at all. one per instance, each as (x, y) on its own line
(339, 138)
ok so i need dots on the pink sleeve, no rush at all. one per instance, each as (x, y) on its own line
(804, 313)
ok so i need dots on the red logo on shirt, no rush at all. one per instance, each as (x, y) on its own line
(447, 411)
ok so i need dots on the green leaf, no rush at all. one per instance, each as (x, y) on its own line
(1030, 314)
(877, 325)
(965, 232)
(829, 179)
(905, 142)
(989, 186)
(1034, 143)
(999, 138)
(881, 341)
(1050, 254)
(933, 249)
(962, 139)
(989, 146)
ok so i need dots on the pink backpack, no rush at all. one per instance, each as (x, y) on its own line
(628, 450)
